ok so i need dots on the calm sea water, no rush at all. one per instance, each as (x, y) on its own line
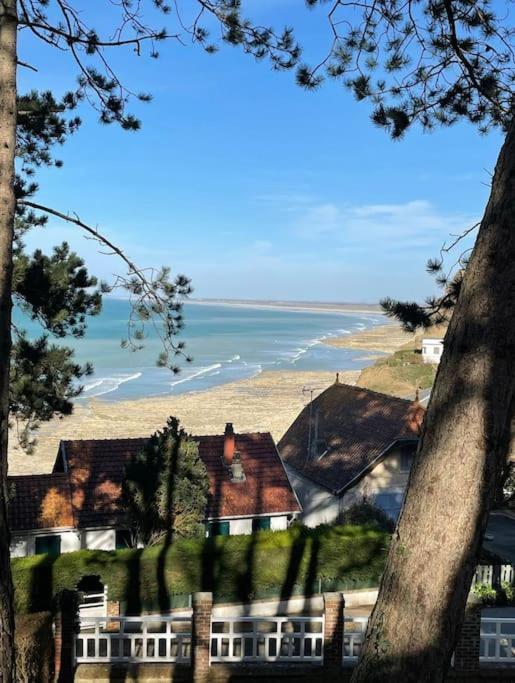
(227, 343)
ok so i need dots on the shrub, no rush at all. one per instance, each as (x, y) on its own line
(34, 647)
(234, 566)
(485, 593)
(368, 514)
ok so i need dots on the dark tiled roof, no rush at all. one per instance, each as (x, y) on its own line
(96, 470)
(39, 501)
(355, 426)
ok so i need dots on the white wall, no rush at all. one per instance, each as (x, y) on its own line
(19, 546)
(319, 506)
(99, 539)
(432, 350)
(70, 541)
(279, 523)
(240, 526)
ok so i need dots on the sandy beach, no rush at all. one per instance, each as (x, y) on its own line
(268, 402)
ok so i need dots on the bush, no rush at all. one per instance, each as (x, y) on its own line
(34, 648)
(367, 514)
(485, 593)
(232, 566)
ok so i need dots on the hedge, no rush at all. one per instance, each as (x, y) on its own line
(232, 567)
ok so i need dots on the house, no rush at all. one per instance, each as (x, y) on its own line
(79, 505)
(350, 443)
(432, 350)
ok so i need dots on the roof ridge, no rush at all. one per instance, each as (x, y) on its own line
(355, 387)
(139, 438)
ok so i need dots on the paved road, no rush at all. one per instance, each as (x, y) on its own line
(502, 528)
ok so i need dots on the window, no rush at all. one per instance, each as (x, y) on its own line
(390, 502)
(123, 539)
(437, 350)
(50, 545)
(218, 529)
(406, 459)
(261, 524)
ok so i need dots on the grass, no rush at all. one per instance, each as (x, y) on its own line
(233, 567)
(400, 374)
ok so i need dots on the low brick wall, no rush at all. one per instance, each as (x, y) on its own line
(218, 673)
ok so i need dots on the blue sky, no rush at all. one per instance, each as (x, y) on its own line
(253, 187)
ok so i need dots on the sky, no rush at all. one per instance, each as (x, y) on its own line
(252, 186)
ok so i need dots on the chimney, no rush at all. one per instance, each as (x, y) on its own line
(228, 444)
(237, 473)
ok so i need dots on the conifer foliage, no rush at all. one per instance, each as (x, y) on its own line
(166, 487)
(37, 377)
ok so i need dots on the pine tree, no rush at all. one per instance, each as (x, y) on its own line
(56, 289)
(433, 63)
(166, 487)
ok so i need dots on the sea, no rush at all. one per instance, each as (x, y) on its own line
(227, 343)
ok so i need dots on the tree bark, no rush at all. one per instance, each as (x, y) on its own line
(8, 30)
(459, 464)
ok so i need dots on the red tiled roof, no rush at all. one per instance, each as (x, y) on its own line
(96, 469)
(266, 488)
(355, 427)
(40, 501)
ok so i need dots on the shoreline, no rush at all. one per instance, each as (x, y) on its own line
(267, 402)
(295, 306)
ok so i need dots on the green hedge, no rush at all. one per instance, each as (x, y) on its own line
(233, 567)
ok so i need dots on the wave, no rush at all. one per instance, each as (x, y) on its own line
(236, 357)
(202, 371)
(109, 384)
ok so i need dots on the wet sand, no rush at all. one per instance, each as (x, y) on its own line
(269, 403)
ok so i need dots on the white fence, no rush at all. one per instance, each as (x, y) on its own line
(497, 640)
(149, 638)
(488, 574)
(93, 605)
(155, 638)
(353, 636)
(267, 639)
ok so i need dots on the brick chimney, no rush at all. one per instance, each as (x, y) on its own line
(228, 444)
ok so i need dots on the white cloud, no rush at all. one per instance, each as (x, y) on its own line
(409, 225)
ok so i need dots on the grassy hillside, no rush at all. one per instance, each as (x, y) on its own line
(400, 374)
(233, 567)
(404, 371)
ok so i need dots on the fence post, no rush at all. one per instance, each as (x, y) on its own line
(201, 636)
(65, 627)
(466, 654)
(334, 605)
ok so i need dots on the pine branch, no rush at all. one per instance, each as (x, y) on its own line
(152, 294)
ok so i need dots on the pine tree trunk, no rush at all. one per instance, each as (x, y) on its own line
(8, 29)
(459, 463)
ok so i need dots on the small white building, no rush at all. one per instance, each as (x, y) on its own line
(347, 445)
(79, 505)
(432, 350)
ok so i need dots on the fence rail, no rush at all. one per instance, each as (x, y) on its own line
(497, 643)
(353, 636)
(149, 638)
(155, 638)
(93, 605)
(267, 639)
